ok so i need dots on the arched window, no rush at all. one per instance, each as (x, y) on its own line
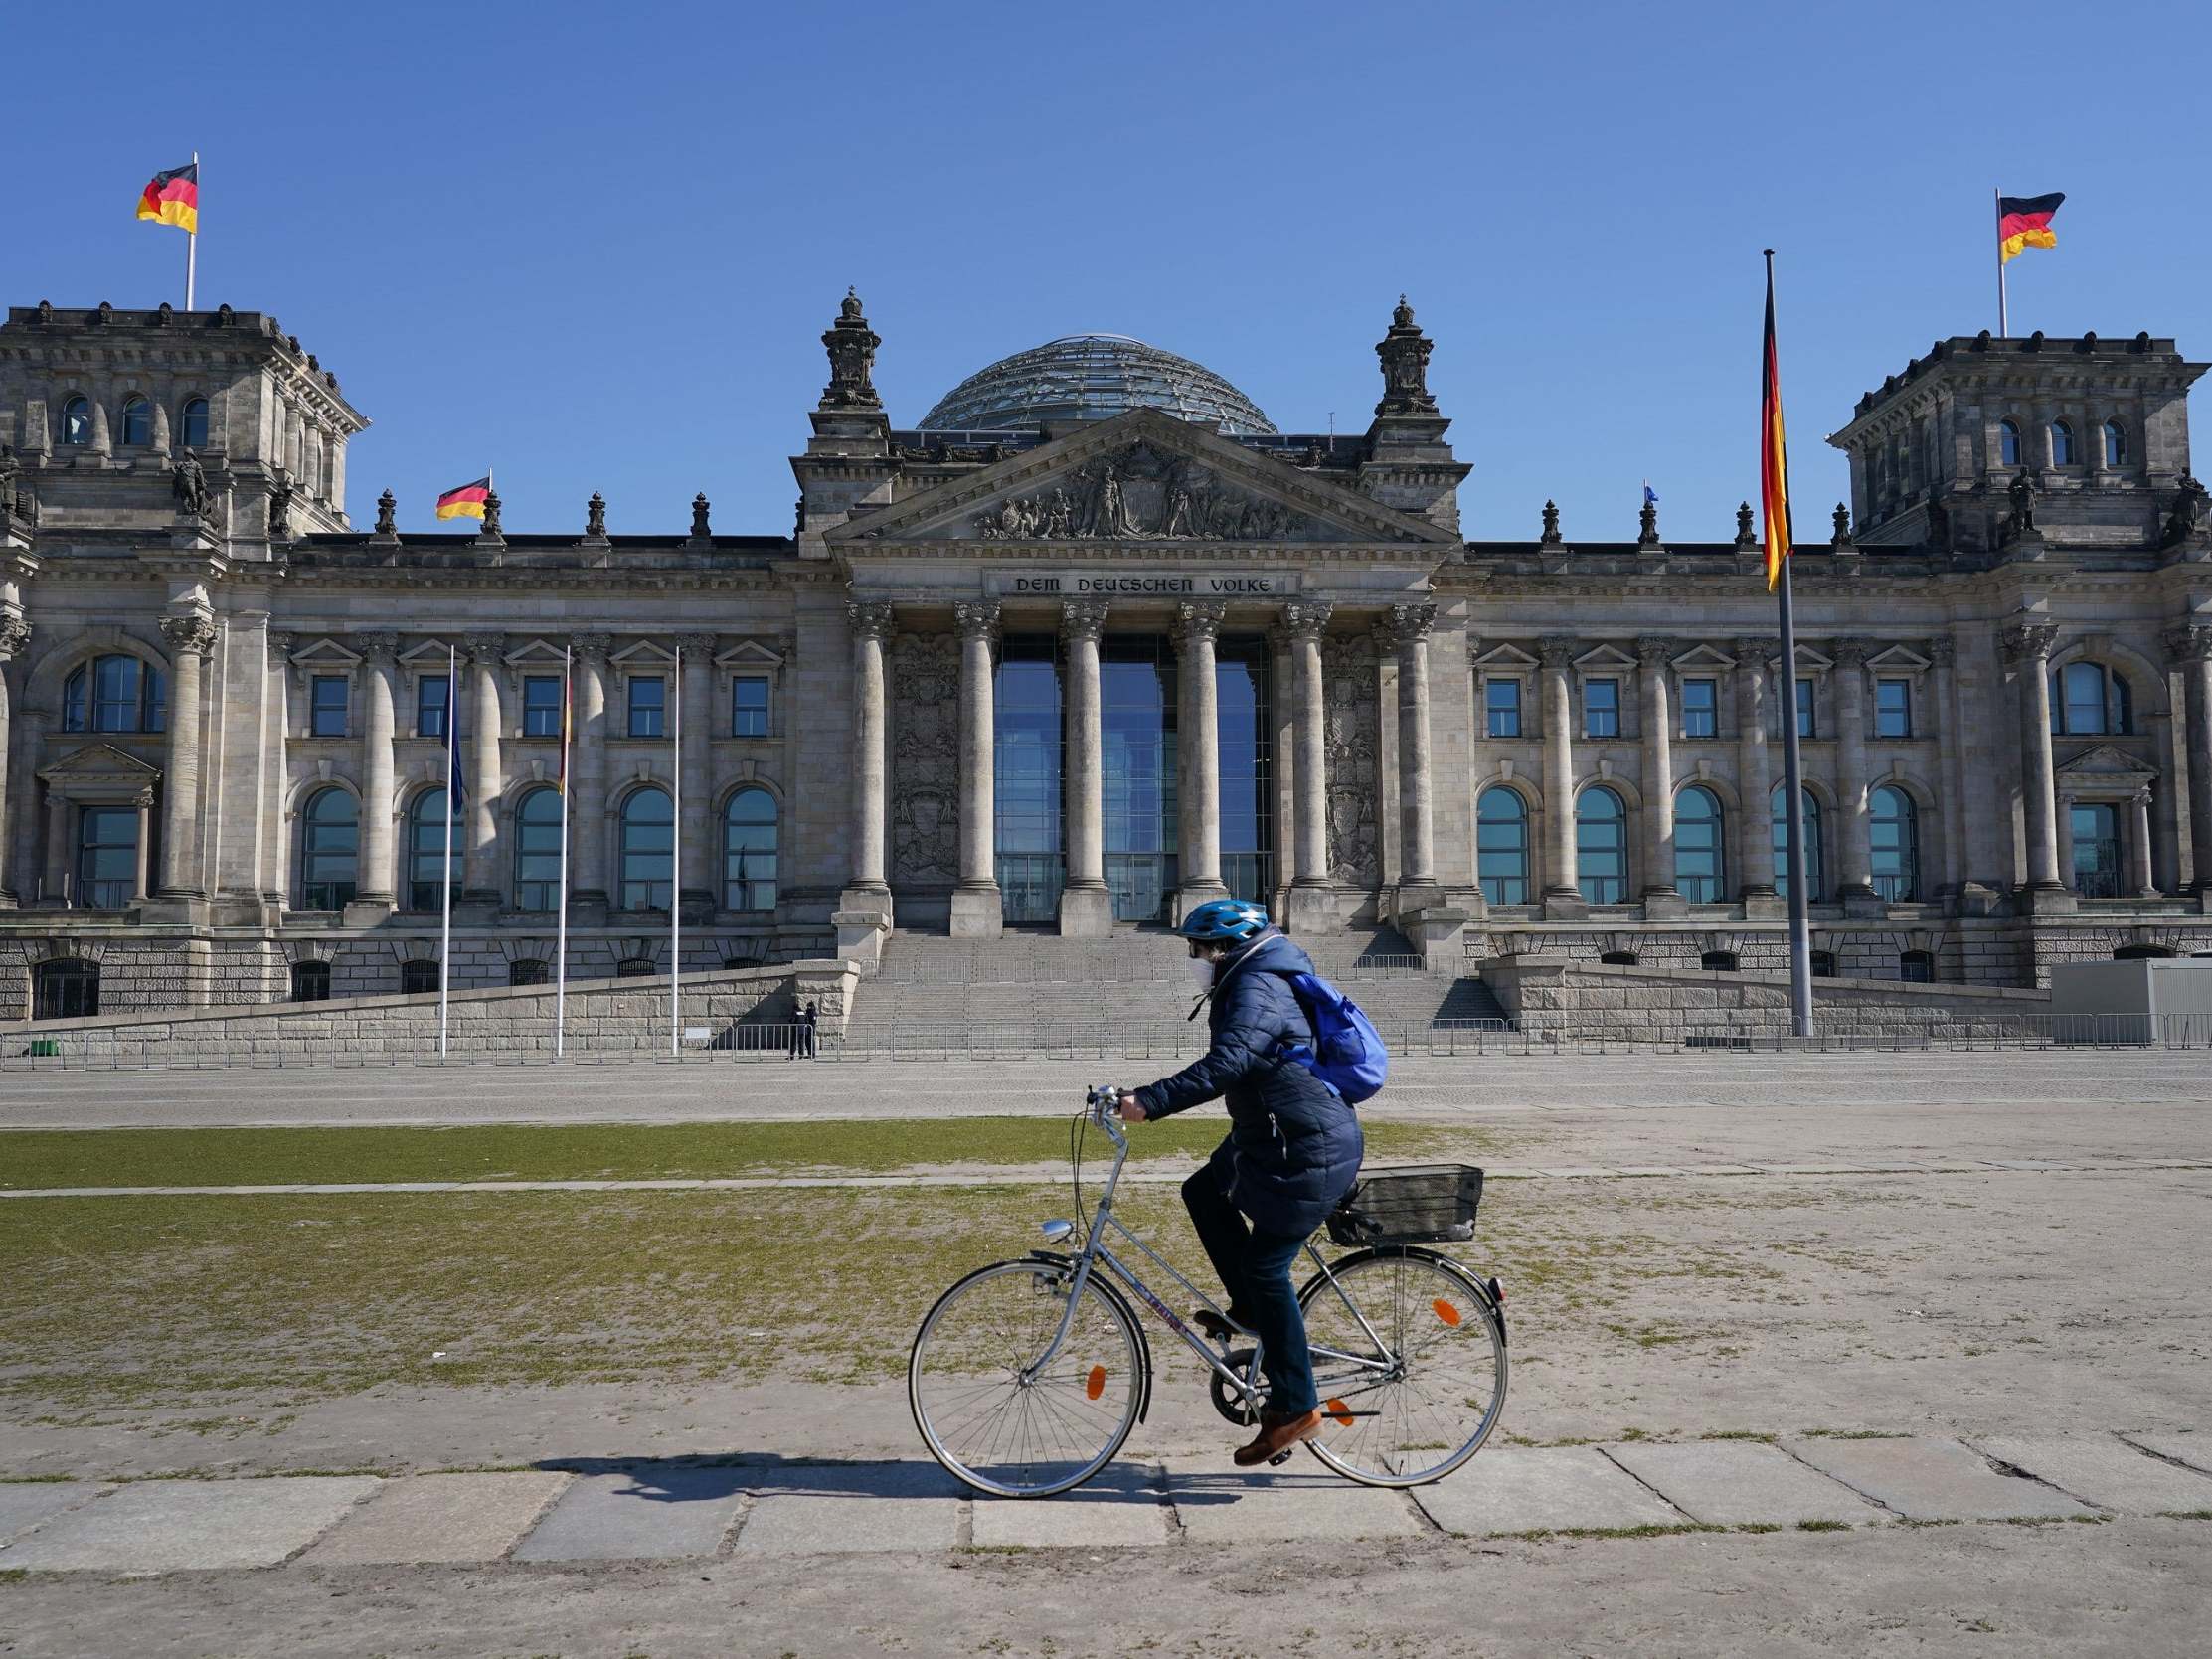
(1718, 962)
(310, 982)
(76, 420)
(417, 979)
(635, 967)
(2008, 444)
(2062, 443)
(66, 988)
(538, 850)
(138, 422)
(2090, 700)
(2115, 444)
(329, 850)
(2096, 849)
(1601, 846)
(192, 423)
(1823, 965)
(1815, 886)
(748, 851)
(116, 693)
(1502, 846)
(1895, 829)
(106, 856)
(2143, 952)
(528, 970)
(648, 851)
(1698, 873)
(425, 841)
(1619, 959)
(1918, 966)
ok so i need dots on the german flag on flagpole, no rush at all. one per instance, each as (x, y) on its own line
(465, 501)
(173, 198)
(2025, 222)
(1774, 453)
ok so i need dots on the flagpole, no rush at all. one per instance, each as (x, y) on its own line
(561, 948)
(2005, 324)
(445, 917)
(192, 241)
(1792, 768)
(676, 866)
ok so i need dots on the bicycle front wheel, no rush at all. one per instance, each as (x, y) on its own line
(1409, 1356)
(995, 1417)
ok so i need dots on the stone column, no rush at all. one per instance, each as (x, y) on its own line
(1950, 779)
(587, 773)
(1408, 630)
(2192, 649)
(1560, 878)
(2062, 818)
(1854, 847)
(695, 882)
(977, 911)
(1312, 898)
(2027, 647)
(2138, 844)
(278, 667)
(1198, 734)
(376, 864)
(29, 742)
(1086, 905)
(481, 777)
(191, 637)
(58, 878)
(139, 890)
(15, 633)
(1755, 834)
(1652, 653)
(869, 884)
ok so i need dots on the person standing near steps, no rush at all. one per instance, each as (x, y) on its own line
(1294, 1149)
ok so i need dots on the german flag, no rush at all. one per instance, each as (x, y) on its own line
(2025, 222)
(1774, 453)
(465, 501)
(173, 198)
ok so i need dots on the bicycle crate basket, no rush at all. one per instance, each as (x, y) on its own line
(1413, 1203)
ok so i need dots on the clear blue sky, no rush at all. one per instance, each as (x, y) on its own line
(595, 247)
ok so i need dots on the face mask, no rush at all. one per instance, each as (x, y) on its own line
(1201, 973)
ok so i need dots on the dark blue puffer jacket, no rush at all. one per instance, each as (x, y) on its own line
(1294, 1146)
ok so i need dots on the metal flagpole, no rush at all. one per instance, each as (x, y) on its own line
(676, 865)
(1793, 821)
(561, 948)
(192, 238)
(446, 917)
(2005, 324)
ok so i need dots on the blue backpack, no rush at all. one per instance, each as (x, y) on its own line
(1348, 1052)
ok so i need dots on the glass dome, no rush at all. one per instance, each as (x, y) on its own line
(1093, 376)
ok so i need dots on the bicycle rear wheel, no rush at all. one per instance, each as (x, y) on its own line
(981, 1412)
(1415, 1405)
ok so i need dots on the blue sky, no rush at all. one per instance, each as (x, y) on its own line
(596, 248)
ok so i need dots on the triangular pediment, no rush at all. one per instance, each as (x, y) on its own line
(1141, 477)
(326, 653)
(1505, 659)
(749, 653)
(2107, 766)
(99, 772)
(539, 653)
(1702, 656)
(1604, 659)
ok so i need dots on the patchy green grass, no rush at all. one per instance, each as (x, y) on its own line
(1739, 1435)
(1854, 1434)
(1650, 1529)
(34, 1480)
(2185, 1514)
(1823, 1526)
(35, 1158)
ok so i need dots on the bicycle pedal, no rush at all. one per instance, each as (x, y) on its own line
(1280, 1457)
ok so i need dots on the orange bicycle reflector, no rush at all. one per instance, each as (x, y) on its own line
(1095, 1384)
(1338, 1412)
(1446, 1311)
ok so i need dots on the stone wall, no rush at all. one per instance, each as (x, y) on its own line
(619, 1016)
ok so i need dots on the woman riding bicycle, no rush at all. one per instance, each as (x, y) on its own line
(1294, 1149)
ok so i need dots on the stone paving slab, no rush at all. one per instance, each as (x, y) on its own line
(24, 1504)
(650, 1511)
(1932, 1479)
(441, 1517)
(1734, 1483)
(163, 1526)
(827, 1508)
(1514, 1489)
(1125, 1504)
(1219, 1503)
(2104, 1471)
(2192, 1450)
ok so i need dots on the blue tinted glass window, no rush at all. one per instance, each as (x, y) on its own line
(1893, 707)
(648, 878)
(1698, 874)
(538, 850)
(648, 703)
(431, 695)
(1502, 846)
(541, 705)
(327, 706)
(1503, 699)
(1600, 708)
(748, 851)
(749, 707)
(1701, 709)
(1601, 846)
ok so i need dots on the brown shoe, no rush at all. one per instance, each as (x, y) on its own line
(1279, 1433)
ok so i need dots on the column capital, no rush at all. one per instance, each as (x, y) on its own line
(1851, 653)
(281, 649)
(15, 634)
(1199, 619)
(2190, 645)
(1653, 650)
(871, 618)
(191, 634)
(591, 647)
(1403, 624)
(1942, 650)
(693, 646)
(485, 649)
(975, 618)
(1757, 649)
(1305, 621)
(2140, 798)
(380, 646)
(2028, 642)
(1083, 619)
(1557, 651)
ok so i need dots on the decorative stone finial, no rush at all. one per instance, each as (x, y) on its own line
(1405, 350)
(387, 521)
(595, 517)
(1648, 521)
(490, 526)
(1743, 535)
(851, 344)
(1842, 520)
(700, 530)
(1550, 538)
(1403, 316)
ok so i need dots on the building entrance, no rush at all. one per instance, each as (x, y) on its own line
(1137, 697)
(1032, 865)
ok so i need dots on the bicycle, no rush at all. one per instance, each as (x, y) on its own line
(1028, 1376)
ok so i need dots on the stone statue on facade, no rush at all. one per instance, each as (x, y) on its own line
(700, 530)
(10, 470)
(2020, 521)
(1744, 534)
(1647, 524)
(387, 515)
(851, 344)
(490, 527)
(1404, 351)
(1550, 538)
(280, 510)
(2187, 517)
(595, 517)
(1841, 520)
(1938, 518)
(188, 482)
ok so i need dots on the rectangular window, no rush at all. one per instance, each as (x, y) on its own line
(648, 703)
(327, 706)
(432, 694)
(1893, 707)
(1805, 709)
(1503, 699)
(1600, 708)
(541, 705)
(749, 707)
(1701, 708)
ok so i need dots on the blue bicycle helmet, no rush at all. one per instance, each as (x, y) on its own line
(1224, 922)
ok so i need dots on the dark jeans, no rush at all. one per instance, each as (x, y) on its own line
(1254, 1268)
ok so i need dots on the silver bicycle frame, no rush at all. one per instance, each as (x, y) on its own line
(1096, 1252)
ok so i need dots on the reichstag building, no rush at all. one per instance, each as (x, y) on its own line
(1089, 641)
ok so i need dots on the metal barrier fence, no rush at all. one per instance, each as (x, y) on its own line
(126, 1050)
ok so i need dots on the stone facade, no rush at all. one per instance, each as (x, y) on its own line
(1074, 674)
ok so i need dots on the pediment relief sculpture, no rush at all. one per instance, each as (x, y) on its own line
(1146, 494)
